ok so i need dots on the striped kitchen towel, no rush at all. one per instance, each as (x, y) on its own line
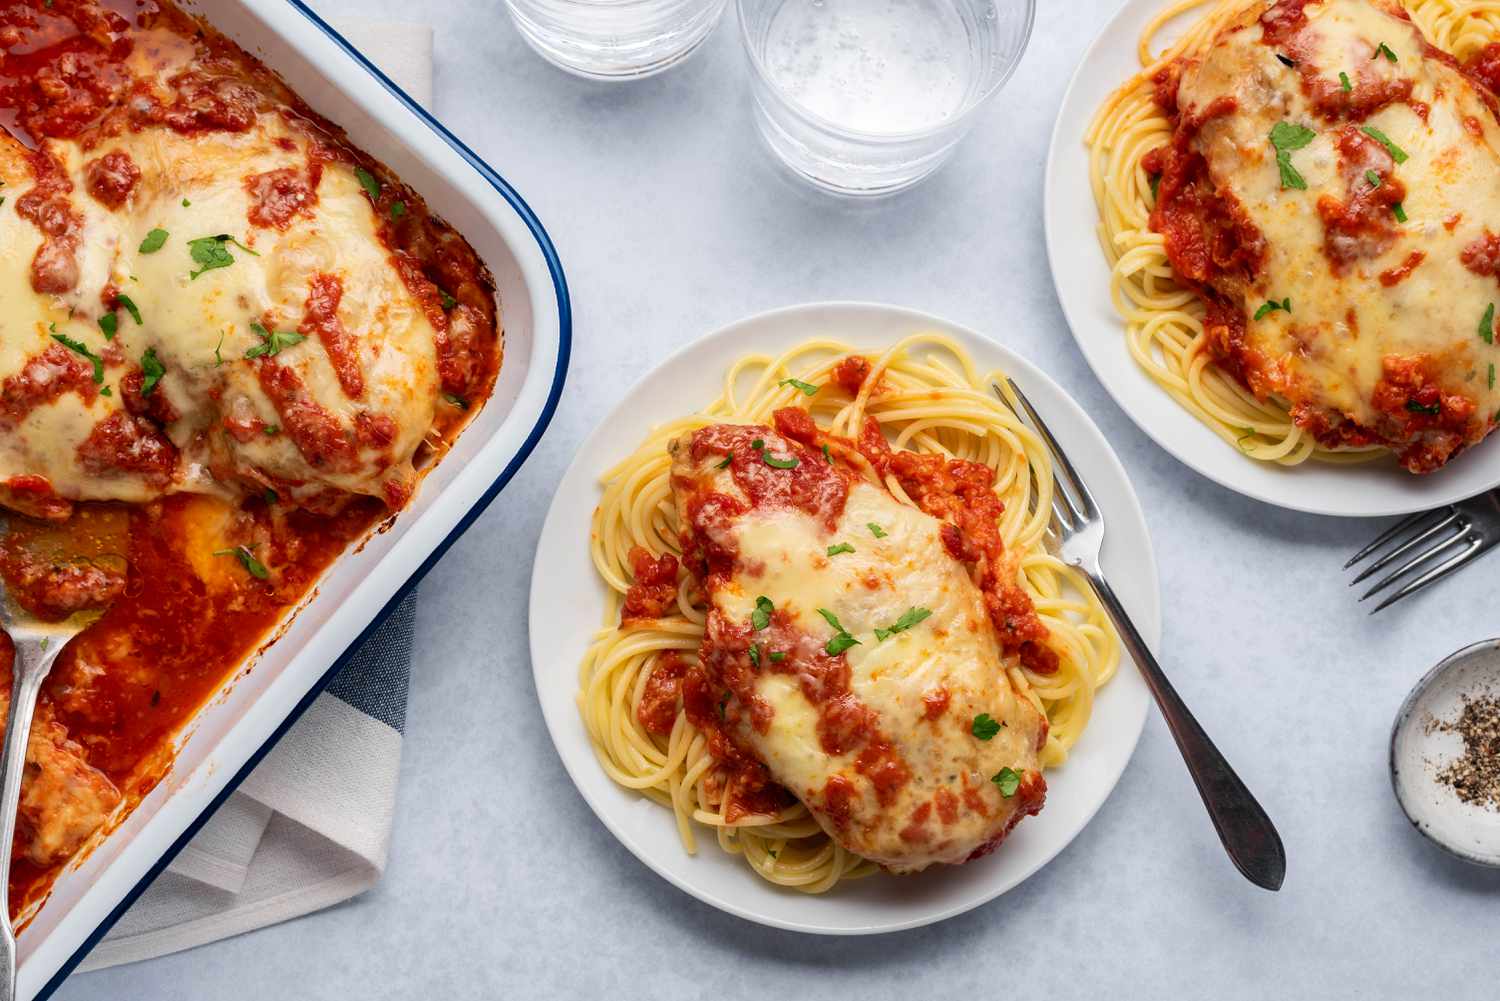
(311, 825)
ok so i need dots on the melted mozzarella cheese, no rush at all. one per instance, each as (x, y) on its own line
(193, 186)
(952, 654)
(1329, 348)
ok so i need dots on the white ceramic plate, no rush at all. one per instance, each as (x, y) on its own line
(567, 604)
(1082, 278)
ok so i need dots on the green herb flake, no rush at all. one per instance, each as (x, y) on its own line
(827, 454)
(1155, 186)
(1373, 178)
(272, 342)
(1398, 212)
(758, 444)
(1431, 410)
(456, 400)
(1009, 780)
(1492, 375)
(109, 323)
(1287, 137)
(1396, 152)
(911, 617)
(218, 358)
(247, 559)
(773, 461)
(1384, 50)
(761, 617)
(1271, 306)
(368, 182)
(210, 252)
(840, 643)
(448, 302)
(842, 547)
(808, 389)
(985, 726)
(130, 307)
(398, 209)
(186, 203)
(272, 430)
(1344, 82)
(755, 654)
(154, 241)
(728, 459)
(875, 530)
(1487, 325)
(83, 349)
(778, 657)
(106, 391)
(271, 496)
(153, 370)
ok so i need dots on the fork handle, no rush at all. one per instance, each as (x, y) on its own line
(28, 670)
(1246, 832)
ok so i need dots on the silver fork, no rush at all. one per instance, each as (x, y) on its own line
(1243, 827)
(1468, 528)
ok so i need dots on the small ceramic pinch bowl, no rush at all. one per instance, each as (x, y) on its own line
(1420, 750)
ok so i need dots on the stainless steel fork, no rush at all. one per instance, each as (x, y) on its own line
(1463, 531)
(1243, 827)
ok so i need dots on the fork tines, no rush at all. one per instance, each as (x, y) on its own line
(1429, 545)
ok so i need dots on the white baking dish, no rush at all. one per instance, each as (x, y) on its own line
(231, 734)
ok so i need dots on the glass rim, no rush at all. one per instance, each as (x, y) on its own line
(843, 131)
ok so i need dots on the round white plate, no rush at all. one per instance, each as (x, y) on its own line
(567, 606)
(1082, 277)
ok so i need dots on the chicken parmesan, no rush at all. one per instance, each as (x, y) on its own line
(826, 641)
(1324, 181)
(225, 321)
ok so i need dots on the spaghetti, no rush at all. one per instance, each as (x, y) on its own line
(1163, 317)
(930, 398)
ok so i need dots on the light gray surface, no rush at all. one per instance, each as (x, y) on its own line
(671, 221)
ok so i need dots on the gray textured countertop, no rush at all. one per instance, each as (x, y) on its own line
(671, 221)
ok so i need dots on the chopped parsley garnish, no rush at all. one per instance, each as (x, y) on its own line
(82, 349)
(1155, 185)
(154, 241)
(106, 391)
(755, 654)
(1344, 82)
(1286, 61)
(186, 203)
(448, 302)
(1271, 306)
(153, 370)
(456, 400)
(1009, 780)
(827, 454)
(778, 656)
(272, 430)
(758, 444)
(130, 307)
(875, 530)
(808, 389)
(1396, 152)
(218, 358)
(109, 323)
(1398, 212)
(771, 460)
(841, 640)
(210, 252)
(1421, 408)
(910, 618)
(761, 617)
(985, 726)
(1287, 137)
(1487, 325)
(1373, 178)
(368, 182)
(1384, 50)
(842, 547)
(272, 341)
(247, 559)
(728, 459)
(1492, 375)
(398, 209)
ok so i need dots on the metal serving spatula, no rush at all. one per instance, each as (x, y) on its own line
(96, 537)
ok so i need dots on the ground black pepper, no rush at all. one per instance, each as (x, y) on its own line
(1474, 776)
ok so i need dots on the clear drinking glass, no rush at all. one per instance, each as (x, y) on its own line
(867, 97)
(615, 39)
